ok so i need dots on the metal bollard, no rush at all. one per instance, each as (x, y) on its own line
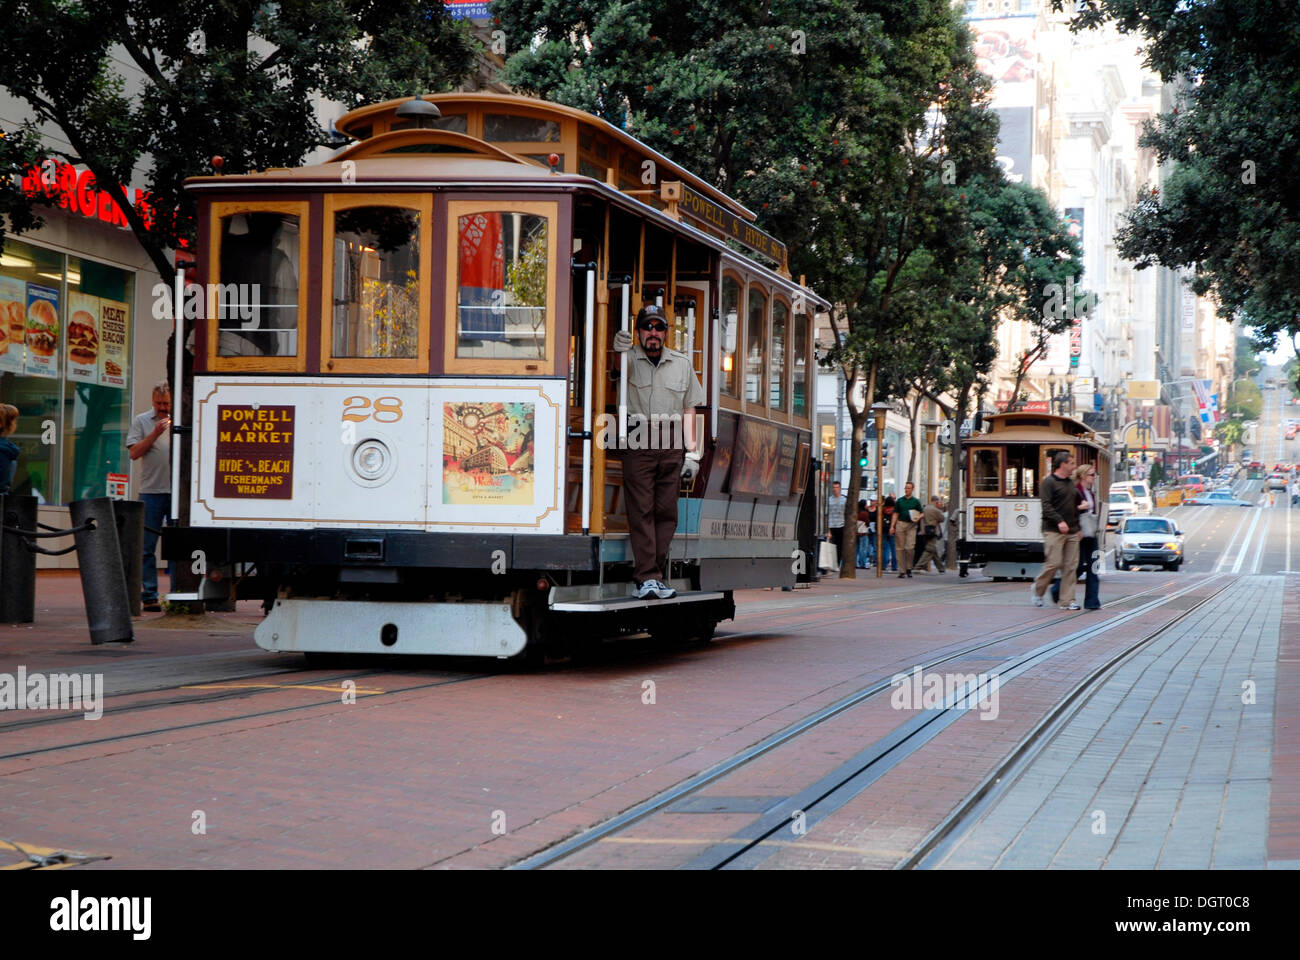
(103, 582)
(17, 563)
(129, 515)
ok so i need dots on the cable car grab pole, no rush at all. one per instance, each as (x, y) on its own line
(586, 398)
(622, 373)
(179, 388)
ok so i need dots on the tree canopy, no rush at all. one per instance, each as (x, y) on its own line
(234, 78)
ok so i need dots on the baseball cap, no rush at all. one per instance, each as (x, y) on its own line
(650, 312)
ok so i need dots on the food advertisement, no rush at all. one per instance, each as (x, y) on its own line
(764, 460)
(13, 324)
(487, 453)
(83, 338)
(42, 331)
(254, 456)
(114, 327)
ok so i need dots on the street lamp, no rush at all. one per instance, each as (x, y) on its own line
(878, 410)
(931, 428)
(1069, 390)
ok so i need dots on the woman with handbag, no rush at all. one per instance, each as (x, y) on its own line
(1085, 478)
(889, 555)
(866, 556)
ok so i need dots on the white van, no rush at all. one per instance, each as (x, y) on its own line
(1140, 492)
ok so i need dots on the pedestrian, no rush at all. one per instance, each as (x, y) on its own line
(835, 520)
(889, 556)
(1060, 508)
(907, 513)
(8, 449)
(1085, 478)
(932, 530)
(149, 441)
(866, 552)
(662, 386)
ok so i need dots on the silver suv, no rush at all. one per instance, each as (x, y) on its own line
(1147, 541)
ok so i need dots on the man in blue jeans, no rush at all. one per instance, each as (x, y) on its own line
(149, 441)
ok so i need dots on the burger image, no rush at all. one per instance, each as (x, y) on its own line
(14, 317)
(112, 369)
(83, 340)
(42, 328)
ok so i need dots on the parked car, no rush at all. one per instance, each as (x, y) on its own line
(1217, 498)
(1140, 492)
(1276, 481)
(1143, 541)
(1192, 483)
(1120, 505)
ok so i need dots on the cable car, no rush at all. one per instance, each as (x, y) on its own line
(407, 419)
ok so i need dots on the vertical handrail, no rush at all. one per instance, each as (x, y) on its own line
(622, 373)
(586, 398)
(714, 359)
(178, 400)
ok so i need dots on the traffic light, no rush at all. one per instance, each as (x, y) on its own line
(884, 454)
(864, 456)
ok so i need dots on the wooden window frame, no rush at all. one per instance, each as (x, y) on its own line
(218, 212)
(759, 409)
(784, 415)
(422, 203)
(807, 321)
(544, 366)
(1045, 458)
(725, 400)
(999, 473)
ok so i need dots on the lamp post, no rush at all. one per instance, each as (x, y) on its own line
(1069, 391)
(931, 428)
(878, 410)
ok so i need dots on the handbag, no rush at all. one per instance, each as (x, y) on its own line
(827, 556)
(862, 527)
(1088, 524)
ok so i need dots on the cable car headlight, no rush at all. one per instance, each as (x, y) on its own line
(372, 462)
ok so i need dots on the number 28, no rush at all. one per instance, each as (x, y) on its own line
(386, 409)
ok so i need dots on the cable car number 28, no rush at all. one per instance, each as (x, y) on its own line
(381, 409)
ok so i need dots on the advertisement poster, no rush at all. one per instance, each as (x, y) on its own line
(764, 460)
(114, 328)
(83, 338)
(487, 453)
(13, 324)
(42, 331)
(254, 457)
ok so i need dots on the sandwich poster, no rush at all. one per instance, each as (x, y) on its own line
(13, 324)
(114, 326)
(42, 331)
(83, 338)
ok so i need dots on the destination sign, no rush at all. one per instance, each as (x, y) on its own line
(254, 456)
(705, 211)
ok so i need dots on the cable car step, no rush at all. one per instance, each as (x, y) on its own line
(610, 604)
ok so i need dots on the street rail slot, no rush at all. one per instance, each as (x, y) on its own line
(363, 549)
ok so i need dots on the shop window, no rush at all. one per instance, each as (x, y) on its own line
(985, 472)
(756, 346)
(730, 334)
(776, 376)
(376, 293)
(504, 296)
(259, 300)
(508, 128)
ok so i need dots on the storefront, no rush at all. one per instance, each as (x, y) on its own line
(79, 352)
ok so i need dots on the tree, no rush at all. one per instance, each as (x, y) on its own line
(1230, 433)
(1231, 201)
(832, 119)
(234, 78)
(1245, 400)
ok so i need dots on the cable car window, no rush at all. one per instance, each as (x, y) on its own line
(454, 123)
(756, 346)
(799, 379)
(730, 325)
(985, 470)
(376, 304)
(257, 300)
(776, 377)
(503, 274)
(504, 127)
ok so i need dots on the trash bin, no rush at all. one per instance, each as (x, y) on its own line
(103, 581)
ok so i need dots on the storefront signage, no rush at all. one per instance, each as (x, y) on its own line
(254, 457)
(117, 486)
(719, 218)
(75, 191)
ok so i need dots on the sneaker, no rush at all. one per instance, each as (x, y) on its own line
(663, 591)
(901, 576)
(1073, 606)
(646, 590)
(1035, 598)
(909, 574)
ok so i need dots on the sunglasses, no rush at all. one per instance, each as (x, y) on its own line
(653, 325)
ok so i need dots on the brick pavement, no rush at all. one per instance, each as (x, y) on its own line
(1164, 767)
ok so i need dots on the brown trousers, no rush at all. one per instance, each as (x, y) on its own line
(651, 482)
(1062, 556)
(905, 542)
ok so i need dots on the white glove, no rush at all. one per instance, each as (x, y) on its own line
(623, 341)
(690, 467)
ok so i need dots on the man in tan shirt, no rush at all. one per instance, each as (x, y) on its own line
(932, 522)
(663, 392)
